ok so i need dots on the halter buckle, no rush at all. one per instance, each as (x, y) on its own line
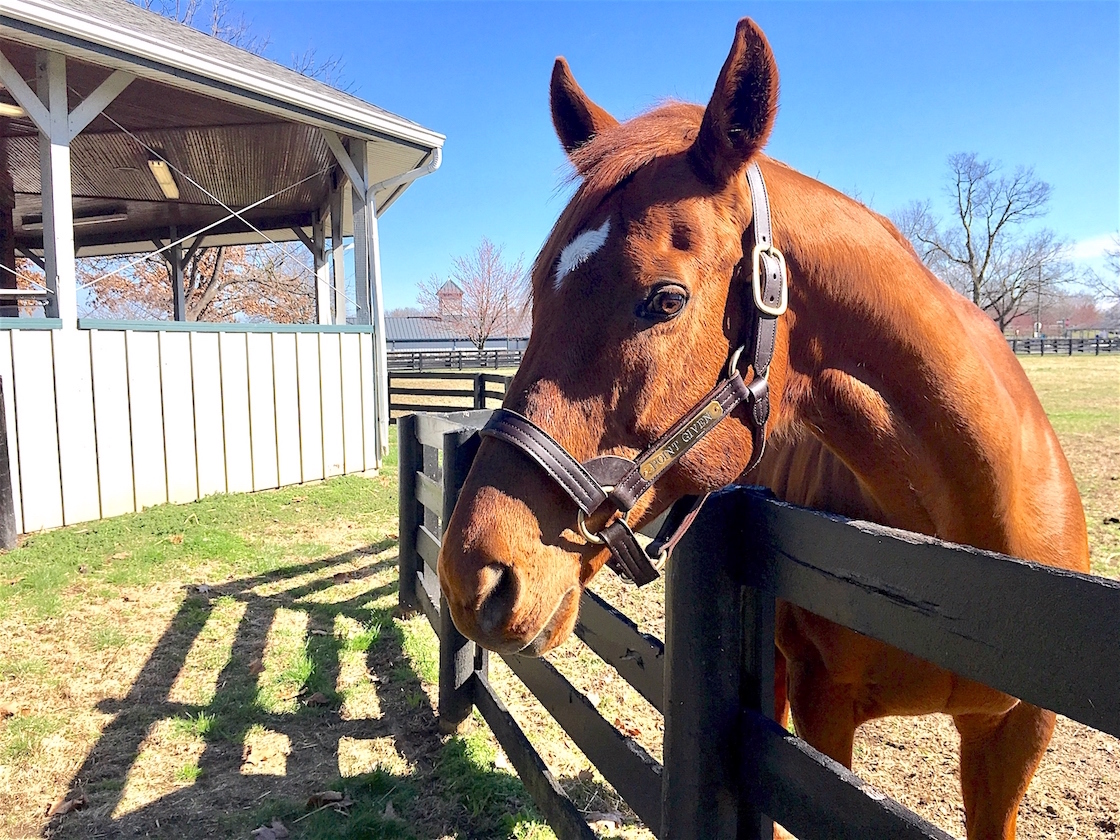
(756, 280)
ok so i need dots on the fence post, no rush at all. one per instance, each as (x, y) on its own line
(703, 677)
(8, 535)
(409, 458)
(480, 390)
(459, 657)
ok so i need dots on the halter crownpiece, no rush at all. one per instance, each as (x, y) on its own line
(621, 481)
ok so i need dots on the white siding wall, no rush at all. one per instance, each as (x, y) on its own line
(108, 421)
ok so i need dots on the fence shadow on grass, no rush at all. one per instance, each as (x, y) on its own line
(435, 785)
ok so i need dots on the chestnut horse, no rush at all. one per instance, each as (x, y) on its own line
(893, 399)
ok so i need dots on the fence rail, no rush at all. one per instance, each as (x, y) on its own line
(1064, 346)
(1045, 635)
(420, 360)
(480, 388)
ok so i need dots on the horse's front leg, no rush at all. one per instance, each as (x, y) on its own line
(999, 755)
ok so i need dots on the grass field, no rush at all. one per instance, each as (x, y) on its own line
(197, 671)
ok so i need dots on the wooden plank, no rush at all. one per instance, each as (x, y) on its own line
(638, 658)
(621, 760)
(10, 422)
(262, 410)
(428, 602)
(112, 421)
(177, 394)
(1047, 636)
(350, 348)
(429, 392)
(409, 515)
(434, 375)
(36, 432)
(427, 546)
(310, 406)
(235, 412)
(330, 385)
(431, 427)
(812, 796)
(206, 375)
(77, 453)
(549, 797)
(369, 405)
(289, 458)
(145, 403)
(429, 493)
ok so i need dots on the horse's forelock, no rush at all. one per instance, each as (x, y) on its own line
(605, 161)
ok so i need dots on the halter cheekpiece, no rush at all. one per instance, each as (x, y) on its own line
(621, 482)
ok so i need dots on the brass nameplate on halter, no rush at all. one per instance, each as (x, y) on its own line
(681, 442)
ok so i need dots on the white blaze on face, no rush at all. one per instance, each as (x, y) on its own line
(577, 251)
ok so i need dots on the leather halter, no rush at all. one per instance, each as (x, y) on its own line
(621, 482)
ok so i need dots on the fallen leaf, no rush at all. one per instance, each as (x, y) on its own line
(390, 812)
(176, 539)
(626, 728)
(8, 709)
(317, 699)
(342, 577)
(585, 775)
(66, 806)
(324, 797)
(121, 555)
(256, 666)
(604, 820)
(315, 631)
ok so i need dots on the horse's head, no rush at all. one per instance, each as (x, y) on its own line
(637, 309)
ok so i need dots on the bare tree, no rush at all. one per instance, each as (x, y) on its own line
(1107, 288)
(217, 18)
(494, 293)
(983, 251)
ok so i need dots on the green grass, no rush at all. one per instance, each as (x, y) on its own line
(21, 737)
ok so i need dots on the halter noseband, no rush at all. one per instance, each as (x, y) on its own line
(622, 481)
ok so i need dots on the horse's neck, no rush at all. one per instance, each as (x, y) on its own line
(911, 387)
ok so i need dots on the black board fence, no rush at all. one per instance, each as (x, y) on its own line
(1045, 635)
(443, 391)
(420, 360)
(1064, 346)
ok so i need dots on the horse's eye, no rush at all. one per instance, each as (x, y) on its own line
(666, 302)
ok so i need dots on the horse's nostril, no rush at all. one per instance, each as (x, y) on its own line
(497, 598)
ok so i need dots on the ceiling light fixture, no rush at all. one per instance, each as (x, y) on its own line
(166, 180)
(13, 111)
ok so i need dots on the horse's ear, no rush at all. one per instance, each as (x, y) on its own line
(577, 119)
(740, 115)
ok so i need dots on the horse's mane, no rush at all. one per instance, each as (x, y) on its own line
(605, 161)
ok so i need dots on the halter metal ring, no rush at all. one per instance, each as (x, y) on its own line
(581, 521)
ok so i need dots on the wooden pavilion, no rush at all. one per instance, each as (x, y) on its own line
(124, 133)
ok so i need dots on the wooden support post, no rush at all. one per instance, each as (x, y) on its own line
(58, 205)
(338, 256)
(8, 533)
(410, 459)
(702, 685)
(322, 270)
(479, 390)
(175, 264)
(459, 658)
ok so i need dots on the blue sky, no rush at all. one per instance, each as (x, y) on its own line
(875, 96)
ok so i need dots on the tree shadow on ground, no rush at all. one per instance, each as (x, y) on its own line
(435, 787)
